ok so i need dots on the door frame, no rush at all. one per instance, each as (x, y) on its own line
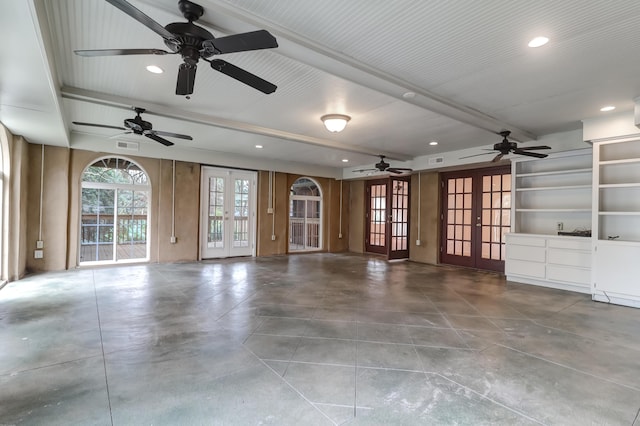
(227, 251)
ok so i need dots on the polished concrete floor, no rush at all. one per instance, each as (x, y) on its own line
(310, 340)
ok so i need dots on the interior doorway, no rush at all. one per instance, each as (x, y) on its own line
(476, 215)
(387, 217)
(305, 215)
(228, 219)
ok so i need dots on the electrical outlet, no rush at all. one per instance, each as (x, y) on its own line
(39, 244)
(38, 254)
(270, 210)
(340, 235)
(559, 226)
(273, 238)
(173, 240)
(417, 242)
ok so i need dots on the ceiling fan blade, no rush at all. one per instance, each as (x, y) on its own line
(139, 16)
(104, 126)
(243, 76)
(116, 52)
(172, 135)
(528, 148)
(398, 170)
(158, 139)
(477, 155)
(497, 158)
(120, 134)
(530, 154)
(254, 40)
(186, 79)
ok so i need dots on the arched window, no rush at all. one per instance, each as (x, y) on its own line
(114, 225)
(305, 216)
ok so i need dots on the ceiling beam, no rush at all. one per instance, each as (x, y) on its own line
(99, 98)
(365, 75)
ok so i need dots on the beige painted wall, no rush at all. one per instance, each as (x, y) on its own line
(280, 228)
(357, 218)
(427, 189)
(63, 169)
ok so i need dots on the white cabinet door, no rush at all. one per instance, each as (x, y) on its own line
(228, 220)
(617, 269)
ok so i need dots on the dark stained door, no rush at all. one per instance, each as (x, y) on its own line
(476, 213)
(387, 217)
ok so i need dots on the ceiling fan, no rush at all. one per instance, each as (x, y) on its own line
(194, 43)
(383, 166)
(138, 126)
(505, 147)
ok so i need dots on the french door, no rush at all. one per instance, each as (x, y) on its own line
(387, 217)
(476, 207)
(228, 221)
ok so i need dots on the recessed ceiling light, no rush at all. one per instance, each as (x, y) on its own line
(155, 69)
(607, 108)
(409, 95)
(538, 41)
(433, 143)
(259, 146)
(345, 160)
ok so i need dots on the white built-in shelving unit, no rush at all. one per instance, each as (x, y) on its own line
(548, 194)
(616, 221)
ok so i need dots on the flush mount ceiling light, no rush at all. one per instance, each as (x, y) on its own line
(433, 143)
(538, 41)
(335, 122)
(155, 69)
(259, 147)
(345, 160)
(607, 108)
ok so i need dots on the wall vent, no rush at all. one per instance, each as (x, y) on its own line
(436, 160)
(129, 146)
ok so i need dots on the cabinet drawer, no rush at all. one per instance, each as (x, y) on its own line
(570, 243)
(525, 241)
(529, 253)
(571, 275)
(529, 269)
(578, 258)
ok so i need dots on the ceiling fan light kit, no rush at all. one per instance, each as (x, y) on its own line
(194, 43)
(335, 123)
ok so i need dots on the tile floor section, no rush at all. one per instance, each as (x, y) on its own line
(311, 340)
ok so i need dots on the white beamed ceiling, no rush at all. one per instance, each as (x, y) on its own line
(467, 62)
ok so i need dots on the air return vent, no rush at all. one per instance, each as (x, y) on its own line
(436, 160)
(129, 146)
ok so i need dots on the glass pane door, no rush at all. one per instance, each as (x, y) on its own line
(228, 218)
(376, 237)
(399, 219)
(131, 225)
(97, 225)
(476, 207)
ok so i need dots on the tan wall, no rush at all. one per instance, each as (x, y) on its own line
(63, 169)
(429, 190)
(332, 241)
(187, 212)
(356, 216)
(16, 177)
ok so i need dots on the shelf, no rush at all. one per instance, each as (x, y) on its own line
(619, 185)
(623, 161)
(553, 210)
(552, 188)
(554, 172)
(605, 213)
